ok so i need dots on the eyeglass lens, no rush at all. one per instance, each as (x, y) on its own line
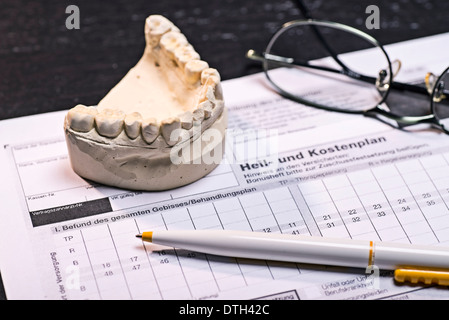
(328, 73)
(440, 99)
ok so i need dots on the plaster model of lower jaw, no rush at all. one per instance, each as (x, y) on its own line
(148, 132)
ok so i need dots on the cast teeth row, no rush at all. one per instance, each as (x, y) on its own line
(161, 34)
(110, 123)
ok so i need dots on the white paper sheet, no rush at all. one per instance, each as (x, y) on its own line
(302, 171)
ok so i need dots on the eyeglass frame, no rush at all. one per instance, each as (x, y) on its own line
(375, 111)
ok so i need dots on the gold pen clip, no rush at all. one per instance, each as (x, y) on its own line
(426, 276)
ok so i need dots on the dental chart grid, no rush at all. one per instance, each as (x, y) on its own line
(402, 205)
(63, 237)
(405, 201)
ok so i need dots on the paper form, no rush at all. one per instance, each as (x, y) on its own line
(62, 237)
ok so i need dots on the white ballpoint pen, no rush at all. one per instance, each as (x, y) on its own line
(414, 263)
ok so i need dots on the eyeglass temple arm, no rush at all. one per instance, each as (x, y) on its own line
(289, 62)
(403, 121)
(306, 13)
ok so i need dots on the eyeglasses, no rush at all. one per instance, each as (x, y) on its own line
(317, 63)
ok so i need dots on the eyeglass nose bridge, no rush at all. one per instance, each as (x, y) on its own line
(383, 80)
(437, 89)
(439, 92)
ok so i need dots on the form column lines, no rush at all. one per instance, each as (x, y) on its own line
(389, 203)
(218, 216)
(149, 262)
(119, 261)
(364, 209)
(212, 272)
(249, 222)
(205, 255)
(300, 213)
(179, 261)
(277, 223)
(274, 216)
(244, 212)
(236, 261)
(310, 212)
(433, 183)
(413, 196)
(90, 263)
(297, 207)
(190, 216)
(338, 211)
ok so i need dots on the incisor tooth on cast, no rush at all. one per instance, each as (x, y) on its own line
(194, 69)
(109, 122)
(167, 127)
(172, 40)
(186, 120)
(133, 123)
(185, 54)
(211, 90)
(198, 116)
(150, 130)
(81, 118)
(207, 107)
(155, 27)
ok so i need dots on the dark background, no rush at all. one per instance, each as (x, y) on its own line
(46, 67)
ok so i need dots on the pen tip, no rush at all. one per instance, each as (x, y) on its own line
(146, 236)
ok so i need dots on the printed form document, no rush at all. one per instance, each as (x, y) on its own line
(288, 169)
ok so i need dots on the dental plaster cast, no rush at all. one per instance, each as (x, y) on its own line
(162, 126)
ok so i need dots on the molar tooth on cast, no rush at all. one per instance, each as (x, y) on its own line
(167, 127)
(133, 123)
(150, 130)
(172, 40)
(109, 122)
(184, 55)
(194, 69)
(81, 118)
(155, 27)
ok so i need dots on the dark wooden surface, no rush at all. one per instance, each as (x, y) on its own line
(46, 67)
